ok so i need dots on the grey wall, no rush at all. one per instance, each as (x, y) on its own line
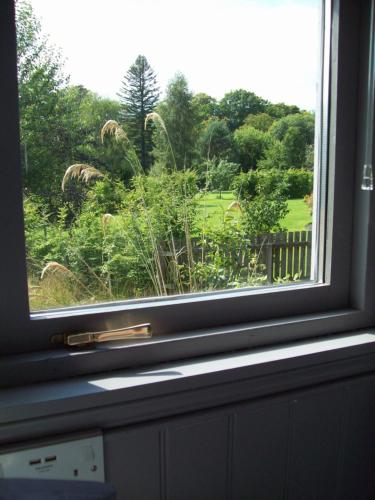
(292, 422)
(317, 444)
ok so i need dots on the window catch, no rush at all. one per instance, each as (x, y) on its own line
(142, 331)
(367, 178)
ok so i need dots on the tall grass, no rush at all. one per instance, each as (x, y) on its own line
(160, 232)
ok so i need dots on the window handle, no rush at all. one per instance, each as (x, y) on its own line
(142, 331)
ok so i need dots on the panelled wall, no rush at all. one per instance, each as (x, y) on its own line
(315, 444)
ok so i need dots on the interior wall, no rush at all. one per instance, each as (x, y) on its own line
(315, 444)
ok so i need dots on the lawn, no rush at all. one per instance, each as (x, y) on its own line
(213, 210)
(298, 216)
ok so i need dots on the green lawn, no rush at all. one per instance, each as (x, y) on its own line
(298, 216)
(213, 209)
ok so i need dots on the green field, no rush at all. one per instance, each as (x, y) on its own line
(213, 211)
(298, 216)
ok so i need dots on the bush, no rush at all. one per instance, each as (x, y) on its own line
(293, 183)
(251, 144)
(221, 174)
(300, 182)
(264, 213)
(270, 182)
(244, 185)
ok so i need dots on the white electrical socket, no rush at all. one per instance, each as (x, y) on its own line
(80, 459)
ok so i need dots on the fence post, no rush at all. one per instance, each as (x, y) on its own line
(269, 259)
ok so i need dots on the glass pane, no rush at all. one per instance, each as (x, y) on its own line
(167, 147)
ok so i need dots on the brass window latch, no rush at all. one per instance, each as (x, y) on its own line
(142, 331)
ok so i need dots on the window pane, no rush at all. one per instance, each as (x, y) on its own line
(167, 147)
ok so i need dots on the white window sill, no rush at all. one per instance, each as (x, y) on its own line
(134, 395)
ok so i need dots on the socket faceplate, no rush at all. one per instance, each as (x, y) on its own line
(80, 459)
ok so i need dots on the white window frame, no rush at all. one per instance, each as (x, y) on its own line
(200, 324)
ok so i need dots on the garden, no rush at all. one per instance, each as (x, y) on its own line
(156, 193)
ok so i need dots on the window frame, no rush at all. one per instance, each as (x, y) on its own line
(200, 324)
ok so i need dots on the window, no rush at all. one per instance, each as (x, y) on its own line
(199, 324)
(181, 180)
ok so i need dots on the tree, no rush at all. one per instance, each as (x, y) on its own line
(264, 212)
(216, 140)
(303, 121)
(275, 156)
(205, 106)
(296, 132)
(82, 115)
(295, 147)
(41, 78)
(237, 104)
(139, 95)
(221, 174)
(251, 144)
(262, 121)
(178, 114)
(280, 110)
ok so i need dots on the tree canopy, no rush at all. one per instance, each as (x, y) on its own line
(236, 105)
(179, 116)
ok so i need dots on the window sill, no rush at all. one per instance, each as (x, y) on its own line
(136, 395)
(61, 363)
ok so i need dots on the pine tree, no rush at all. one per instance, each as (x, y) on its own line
(138, 95)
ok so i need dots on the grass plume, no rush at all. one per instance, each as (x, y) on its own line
(80, 171)
(156, 118)
(111, 127)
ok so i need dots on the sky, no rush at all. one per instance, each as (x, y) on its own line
(270, 47)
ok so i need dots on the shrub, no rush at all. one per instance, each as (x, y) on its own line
(271, 181)
(264, 213)
(251, 144)
(300, 182)
(221, 175)
(244, 185)
(293, 183)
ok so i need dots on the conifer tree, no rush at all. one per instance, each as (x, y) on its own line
(138, 95)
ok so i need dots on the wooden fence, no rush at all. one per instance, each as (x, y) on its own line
(276, 255)
(284, 255)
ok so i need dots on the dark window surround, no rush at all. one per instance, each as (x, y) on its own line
(231, 320)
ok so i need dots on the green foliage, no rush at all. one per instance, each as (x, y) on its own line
(280, 110)
(59, 124)
(236, 105)
(40, 78)
(178, 113)
(45, 241)
(292, 183)
(272, 182)
(300, 183)
(251, 145)
(275, 156)
(139, 95)
(216, 140)
(136, 231)
(262, 121)
(305, 122)
(263, 214)
(205, 107)
(245, 184)
(106, 197)
(296, 132)
(221, 174)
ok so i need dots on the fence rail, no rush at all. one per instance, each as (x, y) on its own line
(281, 255)
(275, 255)
(286, 255)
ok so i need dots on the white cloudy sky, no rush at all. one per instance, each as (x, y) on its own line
(267, 46)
